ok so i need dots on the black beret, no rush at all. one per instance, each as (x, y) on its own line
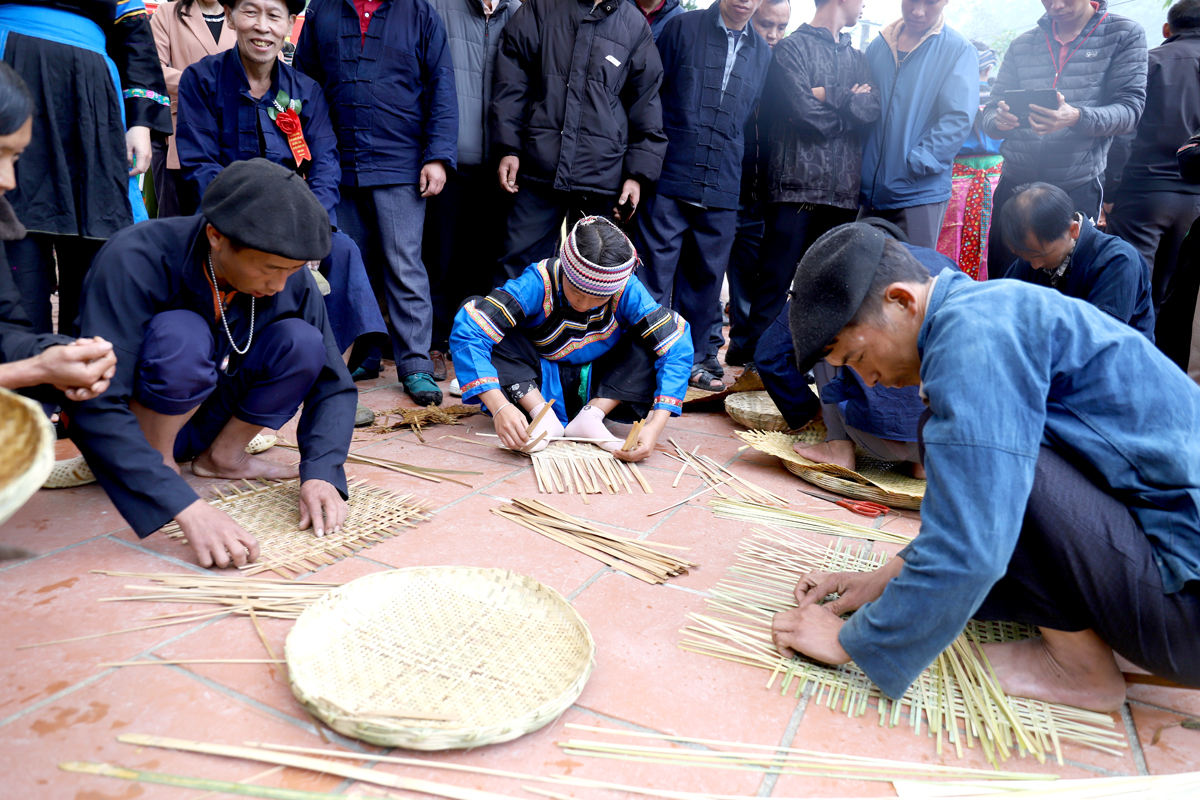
(268, 207)
(831, 281)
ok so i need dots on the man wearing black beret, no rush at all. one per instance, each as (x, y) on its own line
(219, 332)
(1062, 453)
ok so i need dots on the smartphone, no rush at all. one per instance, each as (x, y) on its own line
(625, 211)
(1019, 101)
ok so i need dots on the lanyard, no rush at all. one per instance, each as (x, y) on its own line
(1054, 59)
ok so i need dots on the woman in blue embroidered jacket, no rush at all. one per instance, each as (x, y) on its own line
(582, 331)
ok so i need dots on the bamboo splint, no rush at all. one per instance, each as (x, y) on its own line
(728, 508)
(957, 697)
(638, 559)
(717, 476)
(208, 785)
(567, 467)
(425, 473)
(270, 511)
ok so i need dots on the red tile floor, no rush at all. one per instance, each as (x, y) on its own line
(57, 704)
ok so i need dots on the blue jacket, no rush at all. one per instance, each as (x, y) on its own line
(669, 11)
(928, 104)
(1107, 272)
(219, 123)
(392, 98)
(1007, 367)
(705, 126)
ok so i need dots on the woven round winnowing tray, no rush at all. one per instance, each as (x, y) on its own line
(755, 410)
(26, 450)
(487, 654)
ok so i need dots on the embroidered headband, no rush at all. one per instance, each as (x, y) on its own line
(593, 279)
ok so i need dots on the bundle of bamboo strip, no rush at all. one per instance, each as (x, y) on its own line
(638, 559)
(717, 476)
(565, 467)
(958, 697)
(236, 595)
(727, 508)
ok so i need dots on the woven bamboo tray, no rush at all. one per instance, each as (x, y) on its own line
(756, 411)
(439, 658)
(26, 451)
(874, 480)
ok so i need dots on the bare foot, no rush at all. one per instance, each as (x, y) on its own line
(247, 466)
(838, 451)
(1074, 669)
(918, 471)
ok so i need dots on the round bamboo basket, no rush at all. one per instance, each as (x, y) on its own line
(26, 451)
(756, 411)
(883, 484)
(439, 658)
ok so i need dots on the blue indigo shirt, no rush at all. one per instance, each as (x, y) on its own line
(733, 41)
(1008, 367)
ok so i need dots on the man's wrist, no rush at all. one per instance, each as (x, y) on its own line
(24, 373)
(1076, 116)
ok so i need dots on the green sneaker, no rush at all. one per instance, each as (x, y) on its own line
(422, 389)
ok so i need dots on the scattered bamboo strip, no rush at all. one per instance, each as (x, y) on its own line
(425, 473)
(687, 499)
(568, 466)
(714, 474)
(545, 410)
(637, 474)
(788, 518)
(639, 559)
(958, 697)
(193, 661)
(632, 439)
(315, 764)
(187, 782)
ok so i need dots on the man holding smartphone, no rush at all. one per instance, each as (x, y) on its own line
(1094, 63)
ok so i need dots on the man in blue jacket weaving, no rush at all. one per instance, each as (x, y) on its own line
(1093, 536)
(928, 78)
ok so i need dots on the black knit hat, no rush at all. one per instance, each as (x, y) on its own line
(267, 207)
(831, 281)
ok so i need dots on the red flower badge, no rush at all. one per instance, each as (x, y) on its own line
(287, 117)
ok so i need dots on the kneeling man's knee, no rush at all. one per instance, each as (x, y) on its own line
(176, 372)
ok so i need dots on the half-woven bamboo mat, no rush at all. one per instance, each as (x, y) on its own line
(270, 511)
(642, 560)
(956, 697)
(567, 467)
(874, 480)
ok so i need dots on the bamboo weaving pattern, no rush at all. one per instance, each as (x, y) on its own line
(567, 467)
(270, 511)
(956, 699)
(874, 480)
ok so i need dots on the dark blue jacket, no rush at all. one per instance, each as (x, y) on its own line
(928, 104)
(705, 126)
(669, 11)
(220, 123)
(392, 98)
(1107, 272)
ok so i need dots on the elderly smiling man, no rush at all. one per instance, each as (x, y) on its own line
(1063, 496)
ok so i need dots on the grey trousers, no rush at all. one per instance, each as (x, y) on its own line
(387, 223)
(883, 449)
(921, 224)
(1155, 223)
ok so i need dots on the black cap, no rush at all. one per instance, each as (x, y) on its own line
(268, 207)
(831, 281)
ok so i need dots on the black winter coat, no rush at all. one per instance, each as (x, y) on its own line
(1105, 79)
(576, 95)
(814, 147)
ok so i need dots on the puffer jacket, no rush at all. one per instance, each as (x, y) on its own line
(474, 38)
(814, 147)
(1105, 79)
(576, 95)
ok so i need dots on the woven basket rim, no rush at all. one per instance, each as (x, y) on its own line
(34, 438)
(391, 731)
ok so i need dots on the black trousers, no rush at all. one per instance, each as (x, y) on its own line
(464, 238)
(1082, 562)
(1087, 199)
(535, 220)
(625, 373)
(791, 228)
(42, 263)
(1155, 223)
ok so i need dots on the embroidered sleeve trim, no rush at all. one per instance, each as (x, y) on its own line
(475, 387)
(661, 329)
(673, 402)
(485, 324)
(149, 94)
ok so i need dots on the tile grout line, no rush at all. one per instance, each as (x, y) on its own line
(1108, 773)
(767, 787)
(600, 573)
(169, 559)
(1135, 742)
(22, 562)
(1157, 707)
